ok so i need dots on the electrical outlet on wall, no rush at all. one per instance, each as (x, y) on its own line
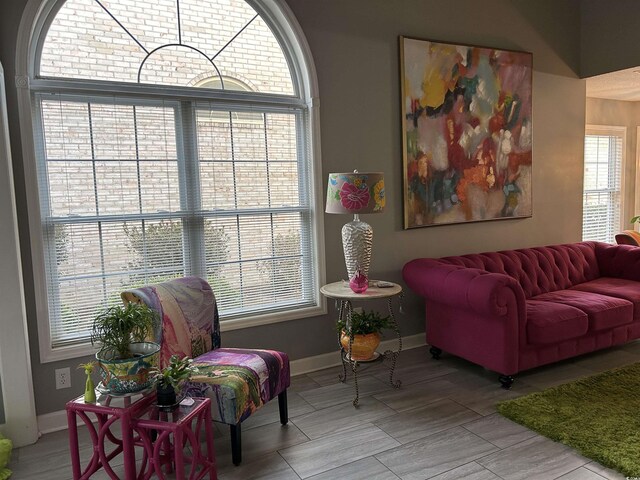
(63, 378)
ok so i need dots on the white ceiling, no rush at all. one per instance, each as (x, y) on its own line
(621, 85)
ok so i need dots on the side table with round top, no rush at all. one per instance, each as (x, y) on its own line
(344, 296)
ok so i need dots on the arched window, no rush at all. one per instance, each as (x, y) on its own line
(172, 137)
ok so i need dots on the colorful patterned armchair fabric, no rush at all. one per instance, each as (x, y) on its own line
(238, 381)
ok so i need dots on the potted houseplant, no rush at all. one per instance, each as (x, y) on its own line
(125, 357)
(170, 379)
(365, 328)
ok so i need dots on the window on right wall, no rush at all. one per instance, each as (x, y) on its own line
(604, 148)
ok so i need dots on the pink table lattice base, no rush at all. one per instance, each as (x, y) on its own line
(143, 424)
(164, 436)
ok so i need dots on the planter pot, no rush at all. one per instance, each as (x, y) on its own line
(166, 396)
(129, 375)
(363, 347)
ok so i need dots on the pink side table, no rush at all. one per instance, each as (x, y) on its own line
(108, 410)
(164, 435)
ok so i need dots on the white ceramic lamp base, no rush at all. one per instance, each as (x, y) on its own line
(357, 242)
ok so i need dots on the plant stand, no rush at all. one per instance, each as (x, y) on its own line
(165, 434)
(344, 296)
(109, 411)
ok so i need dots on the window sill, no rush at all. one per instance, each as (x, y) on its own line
(269, 318)
(86, 349)
(66, 353)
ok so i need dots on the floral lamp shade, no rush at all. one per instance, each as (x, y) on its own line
(355, 193)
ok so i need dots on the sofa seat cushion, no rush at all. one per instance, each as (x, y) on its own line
(604, 312)
(549, 322)
(615, 287)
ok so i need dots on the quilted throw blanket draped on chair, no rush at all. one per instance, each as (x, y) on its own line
(239, 381)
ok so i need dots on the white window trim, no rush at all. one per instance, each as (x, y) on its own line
(281, 19)
(618, 131)
(636, 202)
(18, 399)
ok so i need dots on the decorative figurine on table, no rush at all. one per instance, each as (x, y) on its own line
(359, 282)
(89, 387)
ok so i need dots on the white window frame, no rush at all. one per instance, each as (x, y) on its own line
(276, 13)
(636, 200)
(18, 401)
(614, 131)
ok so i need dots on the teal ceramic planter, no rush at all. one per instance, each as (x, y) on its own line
(131, 374)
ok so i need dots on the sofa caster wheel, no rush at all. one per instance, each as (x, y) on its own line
(435, 353)
(506, 381)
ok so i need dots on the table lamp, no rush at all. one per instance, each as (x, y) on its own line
(356, 193)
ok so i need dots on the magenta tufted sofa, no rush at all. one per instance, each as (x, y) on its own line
(517, 309)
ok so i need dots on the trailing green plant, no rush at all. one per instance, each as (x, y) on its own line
(177, 372)
(117, 327)
(363, 323)
(635, 219)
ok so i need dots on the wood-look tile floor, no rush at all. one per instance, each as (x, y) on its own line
(441, 424)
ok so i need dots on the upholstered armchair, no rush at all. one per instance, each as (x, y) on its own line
(238, 381)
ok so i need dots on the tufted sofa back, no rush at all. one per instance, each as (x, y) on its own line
(538, 270)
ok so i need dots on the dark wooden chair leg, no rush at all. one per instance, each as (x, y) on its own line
(284, 409)
(506, 381)
(435, 352)
(236, 444)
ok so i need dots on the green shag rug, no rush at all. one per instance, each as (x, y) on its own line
(599, 416)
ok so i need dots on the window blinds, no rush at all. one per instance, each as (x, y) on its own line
(602, 187)
(138, 191)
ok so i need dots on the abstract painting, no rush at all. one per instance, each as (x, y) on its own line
(466, 127)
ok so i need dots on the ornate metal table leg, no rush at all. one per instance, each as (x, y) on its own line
(352, 362)
(354, 369)
(342, 377)
(389, 353)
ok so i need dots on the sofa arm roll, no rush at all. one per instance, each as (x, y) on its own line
(470, 288)
(618, 261)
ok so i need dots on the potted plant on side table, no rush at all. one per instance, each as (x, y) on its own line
(125, 357)
(170, 379)
(366, 329)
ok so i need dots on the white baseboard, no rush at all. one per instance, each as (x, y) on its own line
(56, 421)
(326, 360)
(53, 422)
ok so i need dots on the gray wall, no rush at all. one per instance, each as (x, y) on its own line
(609, 37)
(622, 114)
(2, 418)
(355, 47)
